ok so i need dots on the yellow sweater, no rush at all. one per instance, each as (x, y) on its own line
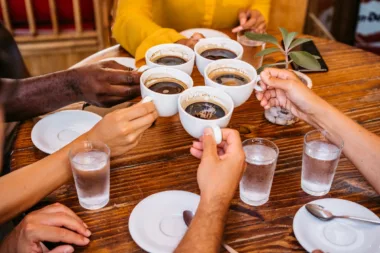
(141, 24)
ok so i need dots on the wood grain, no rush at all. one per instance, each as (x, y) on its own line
(162, 162)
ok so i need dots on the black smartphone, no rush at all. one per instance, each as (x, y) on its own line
(311, 48)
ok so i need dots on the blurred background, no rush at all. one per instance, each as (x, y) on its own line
(55, 34)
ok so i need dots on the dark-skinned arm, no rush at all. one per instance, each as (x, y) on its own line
(103, 84)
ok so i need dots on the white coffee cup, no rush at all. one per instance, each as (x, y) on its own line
(239, 94)
(195, 126)
(166, 104)
(210, 43)
(177, 50)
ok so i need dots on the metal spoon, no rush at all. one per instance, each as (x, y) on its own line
(321, 213)
(188, 217)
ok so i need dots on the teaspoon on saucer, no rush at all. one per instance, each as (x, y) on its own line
(321, 213)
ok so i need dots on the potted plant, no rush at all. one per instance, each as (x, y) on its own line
(304, 59)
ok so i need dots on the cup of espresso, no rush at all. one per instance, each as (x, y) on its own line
(237, 78)
(211, 49)
(164, 86)
(201, 107)
(171, 55)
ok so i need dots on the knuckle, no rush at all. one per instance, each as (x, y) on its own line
(64, 233)
(28, 228)
(28, 219)
(131, 138)
(57, 204)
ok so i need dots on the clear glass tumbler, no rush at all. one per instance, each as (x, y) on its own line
(90, 163)
(321, 153)
(261, 157)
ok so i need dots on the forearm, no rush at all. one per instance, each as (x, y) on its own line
(206, 229)
(39, 95)
(24, 187)
(360, 145)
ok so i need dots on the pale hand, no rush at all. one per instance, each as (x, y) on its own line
(122, 129)
(105, 84)
(284, 89)
(221, 165)
(54, 223)
(251, 19)
(192, 40)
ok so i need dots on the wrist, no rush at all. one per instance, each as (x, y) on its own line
(321, 113)
(181, 41)
(219, 203)
(72, 82)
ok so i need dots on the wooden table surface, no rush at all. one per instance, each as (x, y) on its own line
(162, 162)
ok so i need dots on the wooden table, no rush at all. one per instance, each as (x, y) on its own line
(162, 162)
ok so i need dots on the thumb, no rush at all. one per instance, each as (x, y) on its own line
(278, 78)
(209, 144)
(62, 249)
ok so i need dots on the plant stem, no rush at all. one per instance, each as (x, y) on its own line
(286, 60)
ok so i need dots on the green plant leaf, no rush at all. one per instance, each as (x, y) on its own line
(316, 57)
(268, 51)
(259, 70)
(305, 60)
(262, 37)
(284, 33)
(287, 37)
(298, 42)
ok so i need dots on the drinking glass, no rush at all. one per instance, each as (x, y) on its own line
(261, 157)
(251, 48)
(321, 153)
(90, 163)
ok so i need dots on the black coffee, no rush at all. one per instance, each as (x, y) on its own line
(169, 60)
(218, 53)
(168, 86)
(229, 78)
(206, 110)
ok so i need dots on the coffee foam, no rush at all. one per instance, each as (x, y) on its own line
(200, 96)
(170, 52)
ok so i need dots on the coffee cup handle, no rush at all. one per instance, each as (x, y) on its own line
(147, 99)
(257, 87)
(217, 134)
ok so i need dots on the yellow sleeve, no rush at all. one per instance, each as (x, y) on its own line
(263, 6)
(135, 30)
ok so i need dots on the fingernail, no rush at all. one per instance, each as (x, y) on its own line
(88, 232)
(86, 240)
(68, 250)
(208, 131)
(84, 224)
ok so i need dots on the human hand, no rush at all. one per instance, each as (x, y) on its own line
(250, 19)
(105, 84)
(221, 165)
(122, 129)
(284, 89)
(54, 223)
(192, 40)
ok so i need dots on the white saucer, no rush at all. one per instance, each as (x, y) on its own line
(59, 129)
(208, 33)
(338, 235)
(156, 223)
(126, 61)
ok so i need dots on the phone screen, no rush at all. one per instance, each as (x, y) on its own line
(311, 48)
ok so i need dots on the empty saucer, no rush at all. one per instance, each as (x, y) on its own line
(156, 224)
(337, 235)
(125, 61)
(208, 33)
(55, 131)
